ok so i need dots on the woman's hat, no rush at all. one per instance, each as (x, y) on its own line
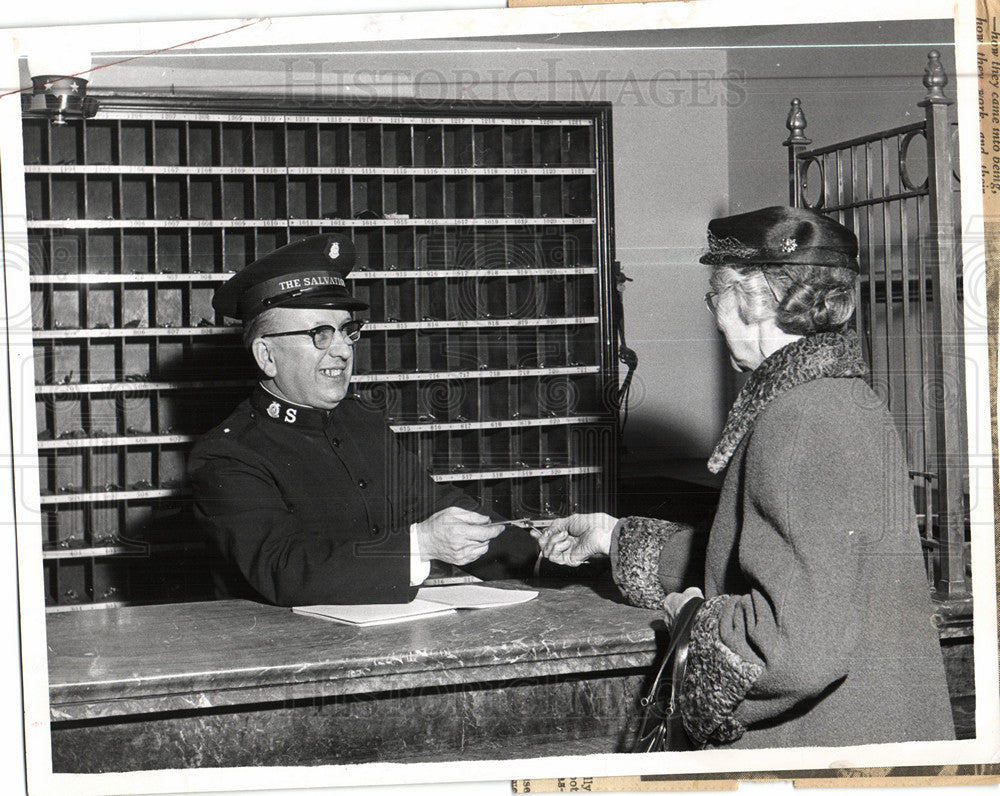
(781, 236)
(308, 273)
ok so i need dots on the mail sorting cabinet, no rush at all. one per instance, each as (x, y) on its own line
(484, 244)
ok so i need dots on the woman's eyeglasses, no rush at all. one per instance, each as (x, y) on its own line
(323, 336)
(712, 296)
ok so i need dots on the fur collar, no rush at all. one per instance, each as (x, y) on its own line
(816, 356)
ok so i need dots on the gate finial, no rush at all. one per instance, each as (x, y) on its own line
(935, 79)
(796, 125)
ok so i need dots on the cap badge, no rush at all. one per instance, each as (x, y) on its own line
(274, 409)
(788, 245)
(333, 250)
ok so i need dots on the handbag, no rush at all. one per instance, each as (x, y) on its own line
(661, 728)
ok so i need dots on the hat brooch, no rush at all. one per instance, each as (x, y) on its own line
(788, 245)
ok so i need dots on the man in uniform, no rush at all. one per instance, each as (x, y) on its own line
(303, 488)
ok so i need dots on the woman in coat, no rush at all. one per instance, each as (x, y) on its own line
(816, 629)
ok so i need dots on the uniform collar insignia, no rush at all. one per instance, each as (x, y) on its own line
(286, 413)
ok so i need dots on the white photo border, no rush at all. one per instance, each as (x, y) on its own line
(129, 38)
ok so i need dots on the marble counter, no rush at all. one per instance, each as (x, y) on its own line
(238, 683)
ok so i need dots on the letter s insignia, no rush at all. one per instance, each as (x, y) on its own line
(290, 415)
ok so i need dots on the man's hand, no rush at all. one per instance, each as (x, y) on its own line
(456, 536)
(571, 541)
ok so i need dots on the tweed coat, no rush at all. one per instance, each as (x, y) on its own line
(308, 506)
(816, 630)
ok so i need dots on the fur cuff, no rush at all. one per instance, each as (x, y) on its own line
(640, 540)
(715, 682)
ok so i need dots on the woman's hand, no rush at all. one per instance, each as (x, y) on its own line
(674, 601)
(572, 540)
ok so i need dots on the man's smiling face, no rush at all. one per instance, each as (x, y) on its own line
(300, 372)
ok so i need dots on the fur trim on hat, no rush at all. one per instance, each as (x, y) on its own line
(815, 356)
(716, 680)
(640, 540)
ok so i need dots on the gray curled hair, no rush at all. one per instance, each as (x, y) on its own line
(803, 299)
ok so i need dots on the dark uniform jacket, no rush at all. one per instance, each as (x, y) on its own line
(817, 626)
(312, 506)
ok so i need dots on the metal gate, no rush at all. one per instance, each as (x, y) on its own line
(909, 297)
